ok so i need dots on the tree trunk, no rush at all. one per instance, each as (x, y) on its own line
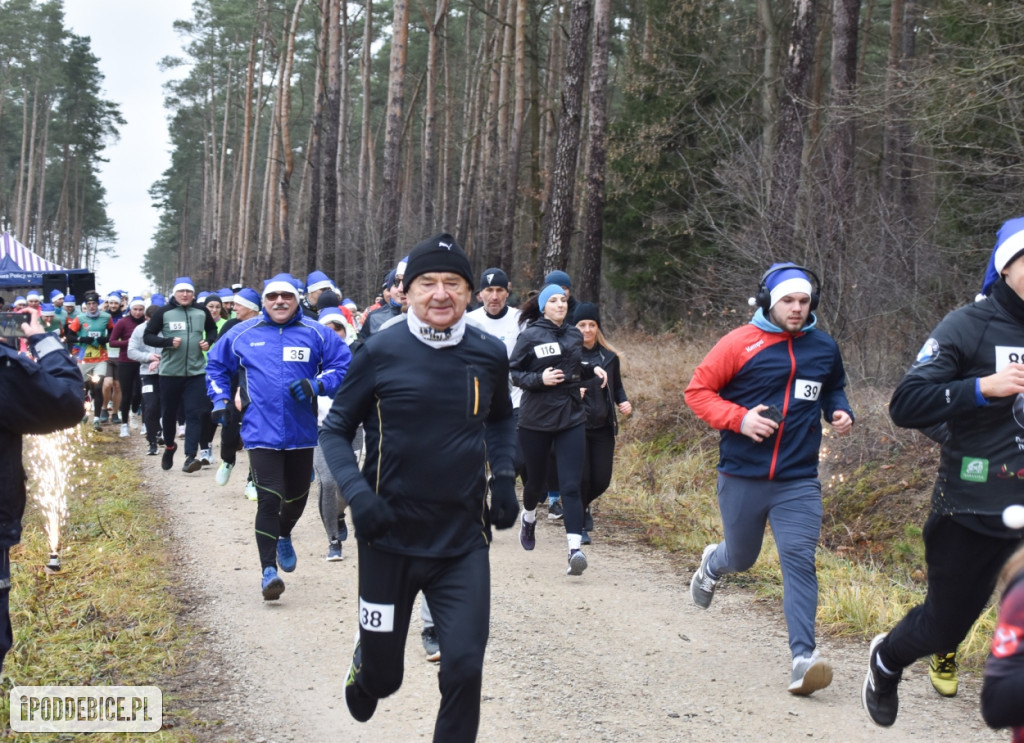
(429, 182)
(327, 249)
(769, 82)
(786, 170)
(840, 149)
(284, 119)
(555, 253)
(314, 156)
(508, 223)
(364, 189)
(593, 233)
(392, 198)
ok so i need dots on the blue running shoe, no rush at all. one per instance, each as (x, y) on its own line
(286, 554)
(272, 584)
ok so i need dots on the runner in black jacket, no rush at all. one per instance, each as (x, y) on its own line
(432, 395)
(547, 364)
(970, 375)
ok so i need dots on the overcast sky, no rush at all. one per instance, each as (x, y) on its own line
(130, 37)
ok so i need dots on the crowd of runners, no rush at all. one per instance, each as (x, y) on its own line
(419, 414)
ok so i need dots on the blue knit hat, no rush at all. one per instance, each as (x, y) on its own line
(547, 293)
(158, 299)
(558, 277)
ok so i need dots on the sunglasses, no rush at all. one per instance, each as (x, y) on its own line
(275, 296)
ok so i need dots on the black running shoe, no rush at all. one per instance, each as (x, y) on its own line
(879, 695)
(168, 459)
(152, 450)
(360, 706)
(191, 465)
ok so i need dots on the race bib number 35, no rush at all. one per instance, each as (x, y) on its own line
(806, 389)
(376, 617)
(296, 353)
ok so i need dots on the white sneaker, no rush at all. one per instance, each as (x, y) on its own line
(142, 430)
(809, 674)
(224, 472)
(181, 432)
(206, 457)
(250, 490)
(125, 432)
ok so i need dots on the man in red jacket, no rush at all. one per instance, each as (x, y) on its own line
(765, 386)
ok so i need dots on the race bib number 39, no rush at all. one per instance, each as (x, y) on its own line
(296, 353)
(547, 350)
(805, 389)
(376, 617)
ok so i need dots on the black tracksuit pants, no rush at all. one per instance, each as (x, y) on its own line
(963, 566)
(458, 590)
(597, 464)
(282, 480)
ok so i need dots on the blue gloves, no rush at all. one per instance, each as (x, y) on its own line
(504, 502)
(305, 390)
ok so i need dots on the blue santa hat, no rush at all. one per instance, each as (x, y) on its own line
(137, 302)
(318, 280)
(226, 295)
(56, 293)
(158, 299)
(782, 281)
(47, 309)
(282, 282)
(69, 299)
(33, 294)
(183, 283)
(1009, 247)
(248, 298)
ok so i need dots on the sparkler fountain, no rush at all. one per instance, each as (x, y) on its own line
(46, 462)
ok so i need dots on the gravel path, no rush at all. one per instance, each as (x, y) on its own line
(620, 654)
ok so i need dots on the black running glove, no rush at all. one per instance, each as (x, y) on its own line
(371, 514)
(504, 503)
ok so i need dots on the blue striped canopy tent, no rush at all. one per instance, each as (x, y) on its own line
(19, 266)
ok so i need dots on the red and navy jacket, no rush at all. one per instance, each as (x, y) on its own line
(760, 364)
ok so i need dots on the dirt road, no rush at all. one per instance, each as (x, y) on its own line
(619, 654)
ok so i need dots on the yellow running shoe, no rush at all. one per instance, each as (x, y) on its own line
(942, 672)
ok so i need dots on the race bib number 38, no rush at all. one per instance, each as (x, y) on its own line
(376, 617)
(296, 353)
(806, 389)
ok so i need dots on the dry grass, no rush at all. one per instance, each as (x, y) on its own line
(876, 485)
(110, 616)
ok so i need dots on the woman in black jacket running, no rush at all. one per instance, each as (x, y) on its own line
(547, 364)
(601, 401)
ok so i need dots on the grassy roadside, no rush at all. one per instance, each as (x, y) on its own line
(876, 487)
(110, 616)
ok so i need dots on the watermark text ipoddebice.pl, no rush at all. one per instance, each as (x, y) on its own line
(86, 709)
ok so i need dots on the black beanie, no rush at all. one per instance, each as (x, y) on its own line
(439, 253)
(327, 298)
(587, 311)
(493, 277)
